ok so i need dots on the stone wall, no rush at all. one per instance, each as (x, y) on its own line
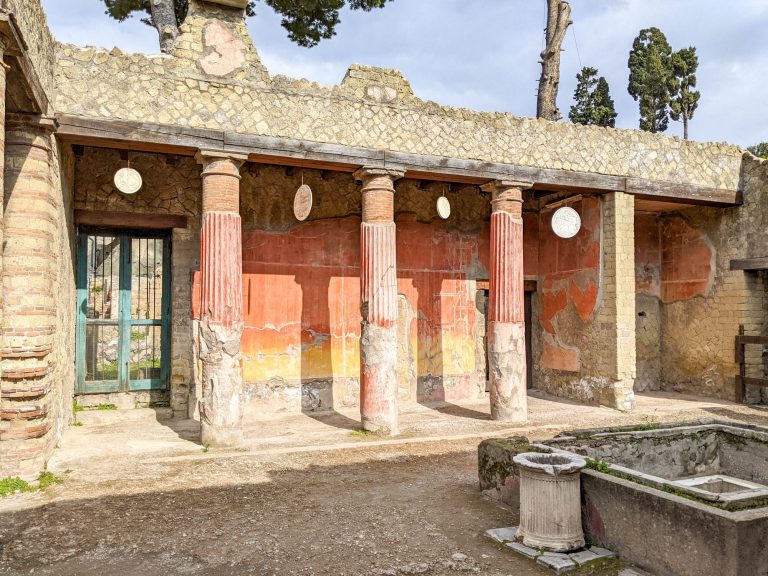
(172, 185)
(41, 47)
(214, 80)
(690, 303)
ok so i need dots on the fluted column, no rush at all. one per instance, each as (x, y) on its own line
(378, 302)
(506, 310)
(28, 394)
(221, 301)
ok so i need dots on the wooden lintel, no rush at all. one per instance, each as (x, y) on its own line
(105, 219)
(685, 193)
(746, 380)
(750, 264)
(290, 152)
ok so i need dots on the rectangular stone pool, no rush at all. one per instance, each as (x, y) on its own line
(676, 500)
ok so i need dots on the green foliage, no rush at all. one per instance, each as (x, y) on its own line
(760, 150)
(306, 21)
(47, 479)
(10, 486)
(650, 78)
(76, 407)
(594, 104)
(107, 407)
(684, 97)
(599, 465)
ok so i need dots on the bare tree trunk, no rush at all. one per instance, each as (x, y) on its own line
(164, 19)
(558, 20)
(685, 126)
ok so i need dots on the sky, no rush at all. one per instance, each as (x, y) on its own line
(483, 54)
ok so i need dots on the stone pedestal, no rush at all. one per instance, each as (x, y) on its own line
(550, 501)
(378, 302)
(506, 311)
(221, 301)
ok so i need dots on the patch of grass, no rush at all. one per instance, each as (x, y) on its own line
(76, 407)
(12, 485)
(159, 404)
(106, 407)
(47, 479)
(598, 465)
(77, 423)
(206, 447)
(362, 433)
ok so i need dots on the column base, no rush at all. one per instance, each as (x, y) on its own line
(378, 385)
(218, 437)
(506, 358)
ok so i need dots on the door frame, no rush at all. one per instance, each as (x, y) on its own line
(124, 321)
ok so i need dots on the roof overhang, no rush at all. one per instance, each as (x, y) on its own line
(158, 138)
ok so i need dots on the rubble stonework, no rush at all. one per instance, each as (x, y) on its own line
(373, 108)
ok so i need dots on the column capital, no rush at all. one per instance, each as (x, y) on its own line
(507, 196)
(207, 157)
(498, 186)
(368, 172)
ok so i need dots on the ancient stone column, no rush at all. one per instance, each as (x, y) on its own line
(221, 300)
(616, 317)
(378, 302)
(30, 401)
(506, 310)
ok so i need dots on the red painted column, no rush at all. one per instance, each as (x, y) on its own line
(221, 302)
(378, 302)
(506, 311)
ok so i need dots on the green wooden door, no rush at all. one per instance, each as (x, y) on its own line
(123, 311)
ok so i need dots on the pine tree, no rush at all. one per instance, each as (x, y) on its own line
(650, 78)
(684, 99)
(594, 104)
(307, 21)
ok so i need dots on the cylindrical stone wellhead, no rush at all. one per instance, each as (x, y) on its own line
(550, 501)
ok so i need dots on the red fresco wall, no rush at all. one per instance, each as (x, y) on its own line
(569, 272)
(302, 302)
(673, 261)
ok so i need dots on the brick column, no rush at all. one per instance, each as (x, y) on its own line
(616, 318)
(378, 302)
(28, 396)
(221, 302)
(506, 304)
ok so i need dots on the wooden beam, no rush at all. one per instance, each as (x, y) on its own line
(686, 193)
(105, 219)
(750, 264)
(320, 155)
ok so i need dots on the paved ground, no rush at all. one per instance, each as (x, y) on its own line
(142, 497)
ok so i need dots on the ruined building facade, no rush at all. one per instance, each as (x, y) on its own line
(203, 290)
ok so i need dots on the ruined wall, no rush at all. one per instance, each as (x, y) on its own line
(214, 80)
(172, 185)
(41, 47)
(569, 283)
(703, 301)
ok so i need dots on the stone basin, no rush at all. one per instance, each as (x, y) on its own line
(676, 500)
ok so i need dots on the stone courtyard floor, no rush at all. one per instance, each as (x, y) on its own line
(140, 496)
